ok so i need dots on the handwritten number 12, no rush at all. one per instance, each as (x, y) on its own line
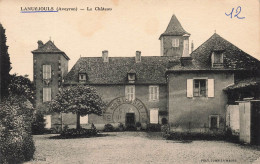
(238, 10)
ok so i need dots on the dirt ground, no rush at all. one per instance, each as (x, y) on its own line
(139, 147)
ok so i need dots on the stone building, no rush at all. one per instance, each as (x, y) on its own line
(180, 88)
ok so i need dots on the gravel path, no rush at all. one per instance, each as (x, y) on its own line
(139, 147)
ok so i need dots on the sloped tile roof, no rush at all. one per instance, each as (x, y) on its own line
(174, 28)
(233, 58)
(50, 47)
(250, 82)
(151, 70)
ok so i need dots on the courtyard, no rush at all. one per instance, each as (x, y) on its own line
(139, 147)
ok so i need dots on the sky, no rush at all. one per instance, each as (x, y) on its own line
(131, 25)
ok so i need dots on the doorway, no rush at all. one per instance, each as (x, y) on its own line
(130, 121)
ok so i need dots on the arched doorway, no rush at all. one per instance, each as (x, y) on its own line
(126, 112)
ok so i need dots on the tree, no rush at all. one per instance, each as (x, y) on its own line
(5, 64)
(80, 100)
(22, 86)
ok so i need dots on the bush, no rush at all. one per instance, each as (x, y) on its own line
(108, 128)
(38, 125)
(194, 136)
(138, 124)
(16, 143)
(154, 127)
(121, 127)
(78, 133)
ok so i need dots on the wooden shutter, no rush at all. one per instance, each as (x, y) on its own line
(44, 71)
(157, 94)
(133, 93)
(126, 92)
(48, 71)
(189, 87)
(210, 87)
(150, 93)
(44, 94)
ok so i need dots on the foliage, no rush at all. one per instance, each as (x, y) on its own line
(79, 99)
(121, 127)
(4, 64)
(154, 127)
(195, 136)
(109, 128)
(22, 86)
(38, 125)
(138, 124)
(78, 133)
(16, 143)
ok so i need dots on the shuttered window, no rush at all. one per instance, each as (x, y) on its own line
(153, 93)
(46, 69)
(200, 87)
(175, 42)
(46, 94)
(154, 116)
(130, 92)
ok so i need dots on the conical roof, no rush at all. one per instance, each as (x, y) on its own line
(174, 28)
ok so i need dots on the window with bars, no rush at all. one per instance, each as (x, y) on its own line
(154, 93)
(46, 71)
(175, 42)
(130, 92)
(46, 94)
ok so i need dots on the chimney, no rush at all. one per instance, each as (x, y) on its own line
(138, 56)
(40, 43)
(105, 56)
(192, 46)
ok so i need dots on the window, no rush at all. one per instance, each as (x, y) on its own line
(213, 121)
(47, 121)
(153, 93)
(199, 88)
(82, 77)
(130, 92)
(46, 69)
(175, 42)
(46, 94)
(84, 119)
(154, 116)
(217, 59)
(131, 77)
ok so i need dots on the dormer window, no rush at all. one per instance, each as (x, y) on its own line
(82, 77)
(175, 42)
(131, 76)
(217, 59)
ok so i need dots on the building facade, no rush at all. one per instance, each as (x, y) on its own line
(182, 89)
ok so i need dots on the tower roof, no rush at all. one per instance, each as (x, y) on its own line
(49, 47)
(174, 28)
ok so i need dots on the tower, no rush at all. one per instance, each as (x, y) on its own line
(50, 65)
(175, 40)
